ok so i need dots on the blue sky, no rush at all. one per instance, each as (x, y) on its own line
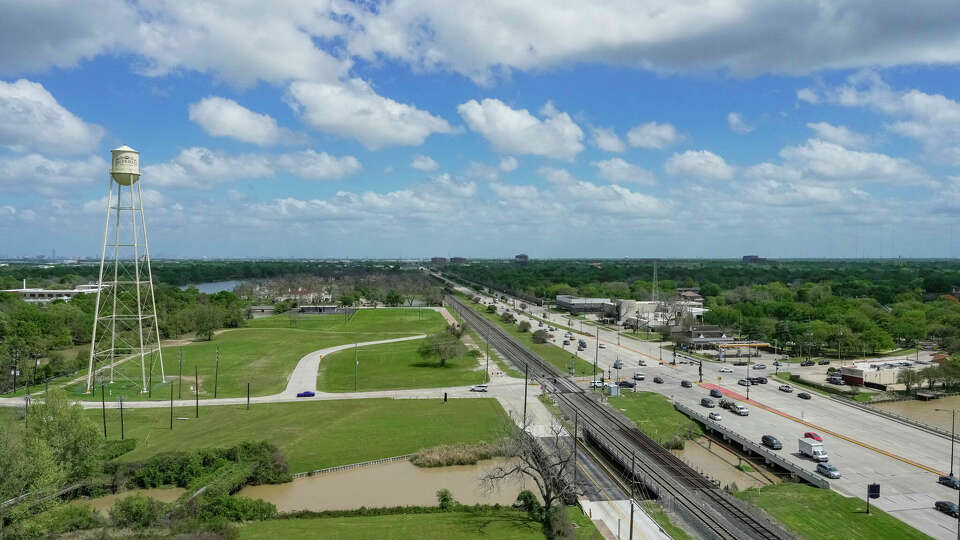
(485, 129)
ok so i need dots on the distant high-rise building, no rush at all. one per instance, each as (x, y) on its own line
(522, 258)
(439, 260)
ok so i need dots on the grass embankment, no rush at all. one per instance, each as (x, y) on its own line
(662, 519)
(316, 434)
(480, 342)
(657, 417)
(549, 352)
(816, 513)
(263, 355)
(393, 366)
(504, 524)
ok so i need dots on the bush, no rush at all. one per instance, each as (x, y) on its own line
(529, 503)
(524, 326)
(445, 499)
(136, 511)
(455, 454)
(491, 309)
(540, 336)
(59, 520)
(233, 508)
(507, 317)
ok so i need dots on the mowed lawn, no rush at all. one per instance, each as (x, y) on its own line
(263, 354)
(397, 321)
(655, 415)
(548, 351)
(314, 434)
(503, 525)
(816, 513)
(393, 366)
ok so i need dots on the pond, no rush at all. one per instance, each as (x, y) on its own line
(397, 483)
(213, 287)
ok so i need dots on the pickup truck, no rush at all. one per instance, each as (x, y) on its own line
(813, 449)
(740, 410)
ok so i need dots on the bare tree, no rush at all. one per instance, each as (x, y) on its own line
(547, 461)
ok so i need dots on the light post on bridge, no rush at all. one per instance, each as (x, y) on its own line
(953, 427)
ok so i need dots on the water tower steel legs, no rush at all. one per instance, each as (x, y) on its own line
(96, 307)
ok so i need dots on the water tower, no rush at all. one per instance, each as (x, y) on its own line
(125, 317)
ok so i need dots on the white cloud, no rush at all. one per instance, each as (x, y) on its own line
(841, 135)
(201, 167)
(607, 139)
(32, 120)
(831, 162)
(223, 117)
(353, 109)
(508, 163)
(519, 132)
(931, 119)
(653, 135)
(424, 163)
(737, 125)
(33, 171)
(699, 164)
(778, 193)
(618, 170)
(808, 95)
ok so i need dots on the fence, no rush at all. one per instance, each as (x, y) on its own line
(352, 466)
(747, 444)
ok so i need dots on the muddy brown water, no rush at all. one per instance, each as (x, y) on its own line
(103, 504)
(923, 411)
(397, 483)
(719, 464)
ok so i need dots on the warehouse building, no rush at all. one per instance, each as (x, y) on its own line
(576, 304)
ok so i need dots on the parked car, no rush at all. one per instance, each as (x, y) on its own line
(949, 481)
(716, 393)
(639, 376)
(740, 363)
(836, 380)
(948, 508)
(812, 435)
(686, 384)
(803, 395)
(478, 388)
(759, 366)
(658, 380)
(785, 388)
(708, 403)
(715, 416)
(305, 393)
(823, 362)
(744, 382)
(725, 369)
(806, 363)
(828, 470)
(566, 342)
(771, 442)
(626, 384)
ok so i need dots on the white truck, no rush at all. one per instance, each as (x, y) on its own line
(814, 450)
(740, 410)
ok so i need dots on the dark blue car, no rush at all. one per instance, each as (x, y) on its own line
(307, 393)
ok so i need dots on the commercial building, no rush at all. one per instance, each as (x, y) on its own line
(651, 314)
(875, 374)
(576, 304)
(45, 296)
(522, 258)
(458, 260)
(439, 260)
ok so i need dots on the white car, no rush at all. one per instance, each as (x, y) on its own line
(639, 376)
(478, 388)
(596, 384)
(715, 416)
(602, 346)
(744, 382)
(786, 388)
(726, 369)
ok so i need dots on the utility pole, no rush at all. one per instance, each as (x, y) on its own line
(356, 366)
(216, 375)
(526, 371)
(180, 373)
(576, 419)
(103, 408)
(488, 359)
(633, 482)
(196, 389)
(171, 407)
(953, 427)
(248, 396)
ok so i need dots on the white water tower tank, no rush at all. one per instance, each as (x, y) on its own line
(125, 169)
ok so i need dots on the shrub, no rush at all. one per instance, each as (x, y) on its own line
(529, 503)
(524, 326)
(234, 508)
(59, 520)
(455, 454)
(445, 499)
(491, 309)
(136, 511)
(507, 317)
(540, 336)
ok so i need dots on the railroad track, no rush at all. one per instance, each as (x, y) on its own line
(715, 512)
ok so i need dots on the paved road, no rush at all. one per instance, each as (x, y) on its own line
(866, 447)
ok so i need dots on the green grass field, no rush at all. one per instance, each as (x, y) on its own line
(263, 355)
(657, 514)
(505, 524)
(816, 513)
(655, 416)
(393, 366)
(316, 434)
(549, 352)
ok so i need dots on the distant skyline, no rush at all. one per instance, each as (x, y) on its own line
(485, 129)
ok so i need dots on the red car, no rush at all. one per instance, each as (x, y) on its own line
(812, 435)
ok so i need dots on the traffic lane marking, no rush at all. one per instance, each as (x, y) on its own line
(759, 405)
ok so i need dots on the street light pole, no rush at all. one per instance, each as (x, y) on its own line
(953, 427)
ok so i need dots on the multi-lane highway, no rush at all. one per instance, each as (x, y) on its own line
(866, 447)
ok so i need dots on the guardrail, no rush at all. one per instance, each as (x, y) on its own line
(747, 444)
(897, 418)
(352, 466)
